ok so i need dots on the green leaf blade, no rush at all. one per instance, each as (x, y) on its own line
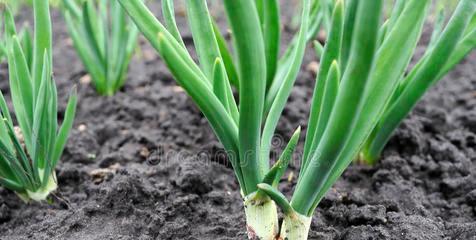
(245, 25)
(330, 53)
(346, 109)
(67, 125)
(279, 102)
(203, 35)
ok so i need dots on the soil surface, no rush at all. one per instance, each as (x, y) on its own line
(145, 165)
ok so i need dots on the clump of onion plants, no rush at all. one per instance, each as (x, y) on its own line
(30, 151)
(362, 64)
(105, 40)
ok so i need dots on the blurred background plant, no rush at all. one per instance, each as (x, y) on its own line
(104, 39)
(24, 34)
(16, 5)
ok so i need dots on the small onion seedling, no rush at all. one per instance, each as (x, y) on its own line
(359, 88)
(105, 40)
(29, 152)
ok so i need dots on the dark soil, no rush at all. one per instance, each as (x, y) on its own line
(145, 165)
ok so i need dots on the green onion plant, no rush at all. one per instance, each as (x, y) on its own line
(374, 91)
(30, 151)
(105, 40)
(447, 47)
(359, 88)
(262, 77)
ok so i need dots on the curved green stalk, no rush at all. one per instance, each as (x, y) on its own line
(169, 17)
(277, 171)
(203, 35)
(277, 197)
(227, 58)
(285, 63)
(271, 33)
(331, 90)
(465, 46)
(249, 46)
(279, 102)
(331, 53)
(42, 40)
(348, 33)
(210, 105)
